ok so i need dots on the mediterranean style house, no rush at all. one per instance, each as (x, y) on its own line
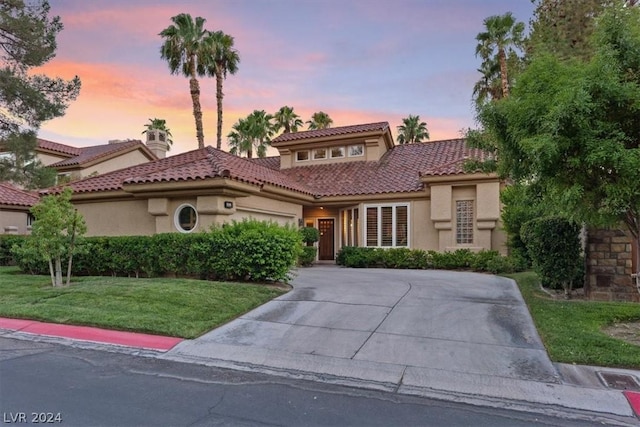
(350, 182)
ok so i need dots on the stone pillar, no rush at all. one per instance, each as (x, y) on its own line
(609, 266)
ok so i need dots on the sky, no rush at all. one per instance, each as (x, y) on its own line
(360, 61)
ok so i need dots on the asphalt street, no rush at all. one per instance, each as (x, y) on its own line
(80, 387)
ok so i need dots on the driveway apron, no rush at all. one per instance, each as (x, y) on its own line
(384, 324)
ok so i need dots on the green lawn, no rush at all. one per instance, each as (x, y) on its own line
(571, 330)
(174, 307)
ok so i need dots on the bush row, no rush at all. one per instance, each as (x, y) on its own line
(461, 259)
(249, 250)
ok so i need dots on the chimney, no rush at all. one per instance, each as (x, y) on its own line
(157, 142)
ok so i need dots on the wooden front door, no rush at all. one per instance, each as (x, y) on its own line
(326, 244)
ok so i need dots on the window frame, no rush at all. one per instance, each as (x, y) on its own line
(176, 217)
(298, 159)
(342, 150)
(350, 147)
(315, 152)
(394, 224)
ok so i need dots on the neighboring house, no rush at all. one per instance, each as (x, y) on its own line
(74, 163)
(14, 209)
(351, 182)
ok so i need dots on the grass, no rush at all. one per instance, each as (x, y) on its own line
(174, 307)
(572, 330)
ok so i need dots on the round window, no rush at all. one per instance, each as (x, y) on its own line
(186, 218)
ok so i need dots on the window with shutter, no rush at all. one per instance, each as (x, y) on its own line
(387, 225)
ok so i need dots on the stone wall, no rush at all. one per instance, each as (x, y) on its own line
(609, 266)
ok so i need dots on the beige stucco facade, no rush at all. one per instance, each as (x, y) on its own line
(14, 220)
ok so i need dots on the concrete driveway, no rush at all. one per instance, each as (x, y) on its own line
(387, 327)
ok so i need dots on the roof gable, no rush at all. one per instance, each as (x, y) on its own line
(329, 132)
(96, 153)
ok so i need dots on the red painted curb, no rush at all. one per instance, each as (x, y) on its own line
(634, 400)
(87, 333)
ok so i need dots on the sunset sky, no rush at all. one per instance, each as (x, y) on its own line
(360, 61)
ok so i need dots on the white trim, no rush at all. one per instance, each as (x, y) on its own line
(394, 237)
(344, 152)
(349, 147)
(303, 151)
(315, 151)
(176, 220)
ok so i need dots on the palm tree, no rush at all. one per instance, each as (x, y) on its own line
(239, 139)
(222, 59)
(254, 131)
(489, 87)
(159, 124)
(502, 35)
(287, 119)
(320, 120)
(412, 130)
(182, 48)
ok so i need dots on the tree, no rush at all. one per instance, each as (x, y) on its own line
(254, 131)
(159, 124)
(28, 40)
(56, 230)
(287, 119)
(564, 27)
(319, 120)
(184, 52)
(502, 36)
(412, 130)
(222, 58)
(571, 127)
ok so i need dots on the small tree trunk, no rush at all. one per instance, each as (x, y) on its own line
(58, 271)
(72, 245)
(53, 278)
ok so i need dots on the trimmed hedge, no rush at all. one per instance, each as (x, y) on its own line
(247, 251)
(7, 241)
(553, 244)
(461, 259)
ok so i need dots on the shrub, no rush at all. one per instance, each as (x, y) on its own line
(310, 235)
(248, 250)
(462, 259)
(308, 255)
(7, 241)
(553, 244)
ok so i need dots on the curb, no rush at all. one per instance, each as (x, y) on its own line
(91, 334)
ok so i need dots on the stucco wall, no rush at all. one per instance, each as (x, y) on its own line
(120, 218)
(123, 161)
(16, 220)
(49, 159)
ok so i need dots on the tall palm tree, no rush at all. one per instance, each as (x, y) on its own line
(254, 131)
(489, 87)
(412, 130)
(503, 34)
(223, 59)
(159, 124)
(287, 119)
(320, 120)
(182, 48)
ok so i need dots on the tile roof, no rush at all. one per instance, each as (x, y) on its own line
(13, 196)
(59, 148)
(399, 170)
(203, 163)
(88, 154)
(319, 133)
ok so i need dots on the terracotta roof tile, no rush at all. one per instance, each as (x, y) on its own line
(88, 154)
(13, 196)
(59, 148)
(342, 130)
(399, 170)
